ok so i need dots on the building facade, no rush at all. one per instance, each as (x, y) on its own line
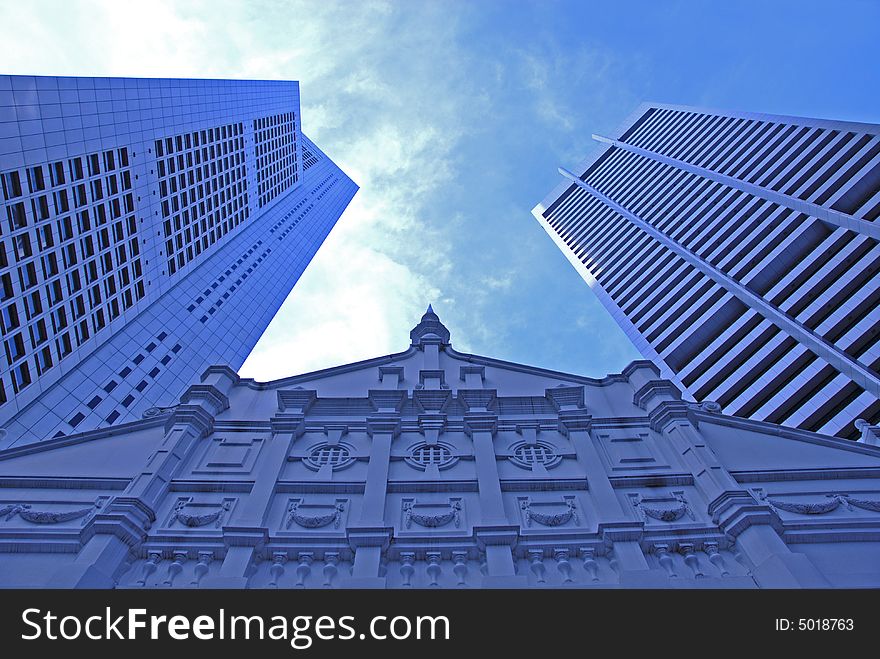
(149, 228)
(435, 468)
(740, 253)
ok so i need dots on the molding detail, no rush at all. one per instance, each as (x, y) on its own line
(566, 397)
(215, 399)
(190, 520)
(296, 401)
(387, 400)
(314, 521)
(533, 513)
(26, 512)
(864, 504)
(831, 503)
(711, 407)
(669, 411)
(153, 412)
(664, 509)
(431, 520)
(868, 434)
(432, 400)
(478, 400)
(574, 421)
(653, 389)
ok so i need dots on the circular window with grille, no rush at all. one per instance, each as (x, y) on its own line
(421, 456)
(528, 455)
(335, 456)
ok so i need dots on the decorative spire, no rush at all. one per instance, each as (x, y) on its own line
(430, 330)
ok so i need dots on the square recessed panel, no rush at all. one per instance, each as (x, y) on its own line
(230, 455)
(630, 450)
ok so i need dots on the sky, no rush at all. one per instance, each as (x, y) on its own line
(453, 117)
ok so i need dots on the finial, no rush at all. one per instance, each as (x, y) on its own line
(430, 329)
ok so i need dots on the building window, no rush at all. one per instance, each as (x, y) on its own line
(10, 318)
(335, 456)
(530, 455)
(21, 376)
(424, 455)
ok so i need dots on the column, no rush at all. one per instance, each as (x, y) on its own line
(622, 527)
(370, 535)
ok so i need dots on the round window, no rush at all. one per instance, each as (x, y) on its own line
(528, 455)
(423, 455)
(335, 456)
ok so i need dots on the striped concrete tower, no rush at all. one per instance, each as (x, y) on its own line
(738, 251)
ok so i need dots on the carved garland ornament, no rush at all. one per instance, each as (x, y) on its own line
(670, 510)
(831, 503)
(549, 519)
(435, 520)
(314, 521)
(25, 511)
(195, 521)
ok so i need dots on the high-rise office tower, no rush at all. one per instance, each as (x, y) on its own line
(739, 252)
(150, 227)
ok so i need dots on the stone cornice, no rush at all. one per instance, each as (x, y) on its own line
(667, 412)
(385, 424)
(127, 518)
(387, 400)
(288, 423)
(574, 421)
(221, 369)
(369, 536)
(535, 370)
(655, 388)
(492, 534)
(391, 370)
(566, 397)
(432, 421)
(736, 510)
(432, 400)
(478, 400)
(211, 398)
(293, 380)
(296, 401)
(622, 531)
(632, 367)
(81, 438)
(432, 373)
(480, 422)
(194, 416)
(472, 370)
(245, 536)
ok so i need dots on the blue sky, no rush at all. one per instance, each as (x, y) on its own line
(453, 117)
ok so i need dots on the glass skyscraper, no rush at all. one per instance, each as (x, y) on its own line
(150, 228)
(739, 252)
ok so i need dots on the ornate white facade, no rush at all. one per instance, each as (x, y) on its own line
(433, 468)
